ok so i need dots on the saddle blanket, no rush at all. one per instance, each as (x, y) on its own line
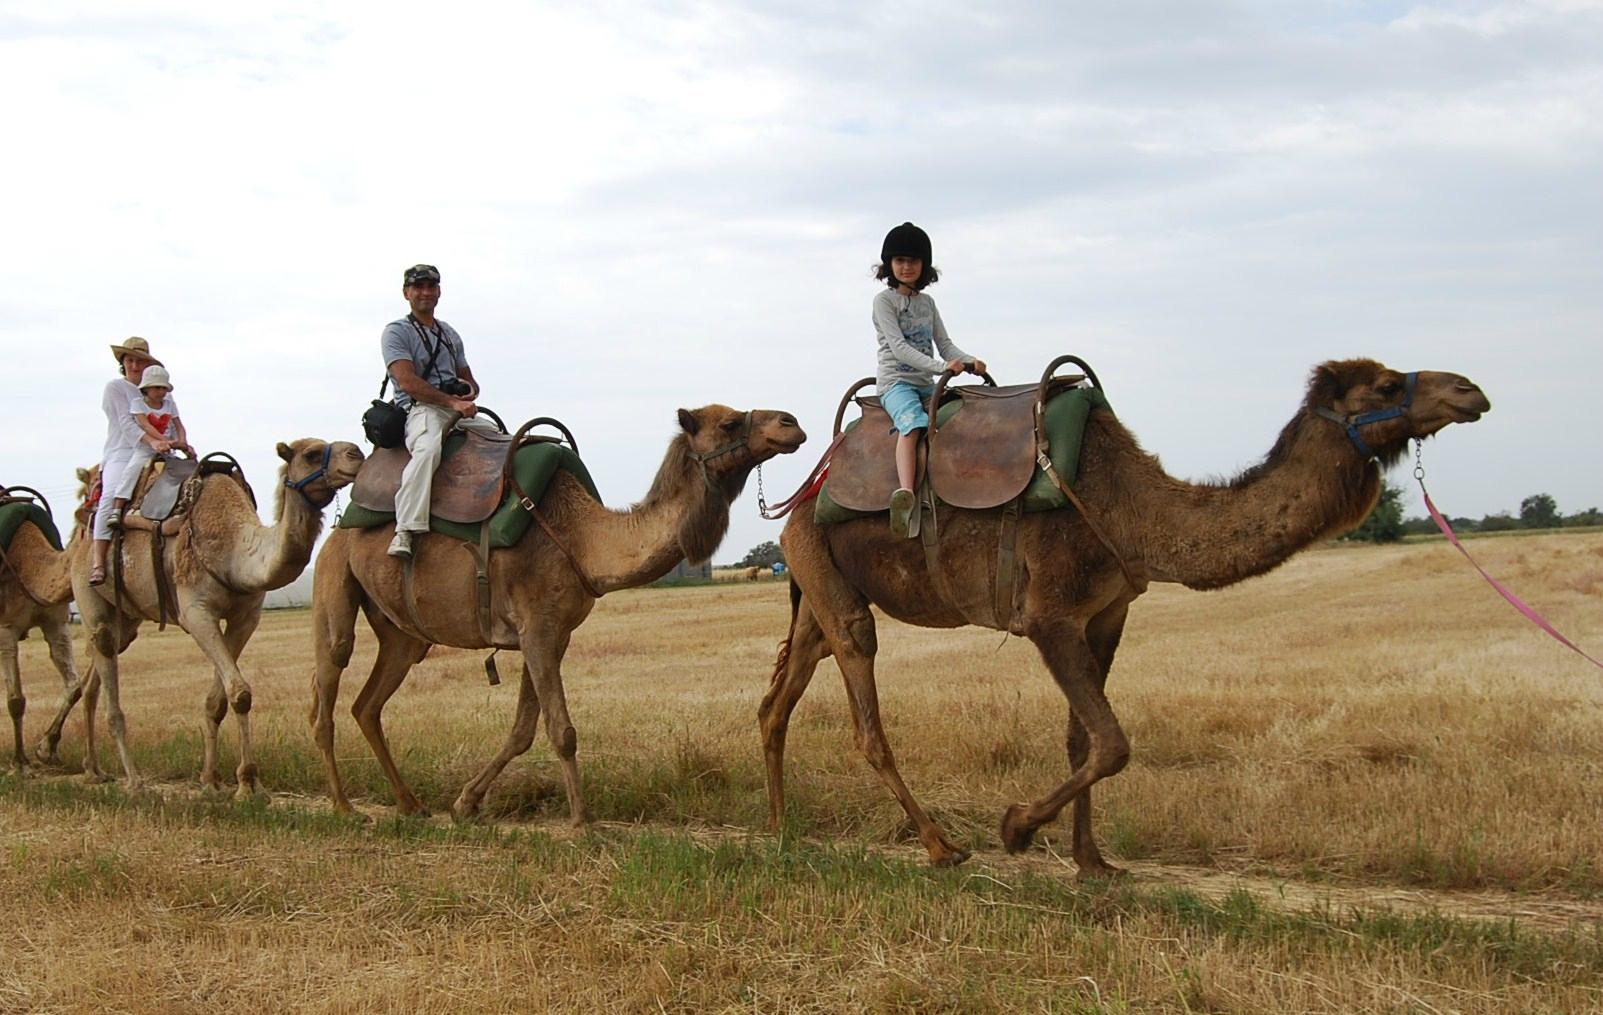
(13, 515)
(534, 467)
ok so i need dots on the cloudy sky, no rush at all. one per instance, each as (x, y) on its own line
(641, 206)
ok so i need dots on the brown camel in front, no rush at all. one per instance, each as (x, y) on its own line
(221, 564)
(1071, 597)
(35, 589)
(537, 597)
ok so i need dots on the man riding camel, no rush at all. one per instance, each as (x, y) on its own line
(435, 387)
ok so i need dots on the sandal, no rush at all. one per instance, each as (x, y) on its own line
(97, 574)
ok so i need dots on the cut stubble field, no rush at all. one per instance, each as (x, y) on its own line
(1360, 783)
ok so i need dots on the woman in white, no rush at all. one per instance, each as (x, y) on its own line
(122, 436)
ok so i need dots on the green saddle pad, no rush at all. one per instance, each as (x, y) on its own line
(1066, 414)
(13, 515)
(535, 465)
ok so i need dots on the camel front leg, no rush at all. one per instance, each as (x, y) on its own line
(16, 704)
(105, 645)
(542, 652)
(1102, 635)
(229, 689)
(398, 652)
(1074, 667)
(59, 640)
(524, 724)
(793, 671)
(333, 641)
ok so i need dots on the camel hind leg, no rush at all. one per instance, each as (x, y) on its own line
(842, 615)
(799, 656)
(398, 652)
(543, 652)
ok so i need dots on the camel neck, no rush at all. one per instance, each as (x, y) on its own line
(1312, 486)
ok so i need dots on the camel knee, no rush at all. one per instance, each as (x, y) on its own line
(566, 742)
(240, 700)
(1109, 757)
(340, 649)
(17, 706)
(104, 641)
(861, 632)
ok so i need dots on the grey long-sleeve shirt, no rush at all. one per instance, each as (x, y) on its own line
(910, 332)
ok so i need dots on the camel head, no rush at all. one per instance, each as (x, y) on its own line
(316, 469)
(1385, 409)
(82, 516)
(729, 443)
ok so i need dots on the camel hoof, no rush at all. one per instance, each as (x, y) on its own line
(1016, 835)
(950, 858)
(246, 794)
(47, 754)
(464, 814)
(20, 768)
(1100, 871)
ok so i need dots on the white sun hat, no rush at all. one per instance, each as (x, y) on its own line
(155, 377)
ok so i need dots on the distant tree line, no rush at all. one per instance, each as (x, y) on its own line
(1386, 523)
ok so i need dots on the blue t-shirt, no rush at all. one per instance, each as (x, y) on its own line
(403, 339)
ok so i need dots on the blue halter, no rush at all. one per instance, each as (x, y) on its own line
(312, 477)
(1352, 423)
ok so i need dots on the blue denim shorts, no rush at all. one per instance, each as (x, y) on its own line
(905, 404)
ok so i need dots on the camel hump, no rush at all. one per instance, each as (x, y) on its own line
(982, 453)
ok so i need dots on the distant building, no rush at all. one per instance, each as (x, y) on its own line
(684, 570)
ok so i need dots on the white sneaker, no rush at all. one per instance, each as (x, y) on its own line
(401, 545)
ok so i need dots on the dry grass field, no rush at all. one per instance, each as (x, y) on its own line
(1361, 783)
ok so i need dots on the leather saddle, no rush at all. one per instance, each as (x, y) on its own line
(981, 446)
(468, 485)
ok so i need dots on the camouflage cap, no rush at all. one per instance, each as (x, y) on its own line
(420, 273)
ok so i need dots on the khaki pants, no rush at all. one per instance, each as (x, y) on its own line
(426, 427)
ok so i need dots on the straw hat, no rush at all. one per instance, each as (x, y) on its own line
(155, 377)
(137, 346)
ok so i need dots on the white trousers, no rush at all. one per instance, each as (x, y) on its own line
(119, 474)
(426, 427)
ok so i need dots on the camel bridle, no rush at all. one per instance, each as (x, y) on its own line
(299, 486)
(702, 458)
(1353, 422)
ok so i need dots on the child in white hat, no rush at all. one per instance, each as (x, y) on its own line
(156, 415)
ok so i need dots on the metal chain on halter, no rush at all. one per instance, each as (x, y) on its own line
(762, 502)
(1419, 461)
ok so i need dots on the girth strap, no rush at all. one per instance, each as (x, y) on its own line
(409, 598)
(1007, 539)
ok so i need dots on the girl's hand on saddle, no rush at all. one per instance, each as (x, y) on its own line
(956, 367)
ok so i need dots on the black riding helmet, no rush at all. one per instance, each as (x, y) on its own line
(906, 240)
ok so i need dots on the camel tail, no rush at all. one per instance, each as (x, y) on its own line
(784, 646)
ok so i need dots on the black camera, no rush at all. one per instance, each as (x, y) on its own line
(456, 387)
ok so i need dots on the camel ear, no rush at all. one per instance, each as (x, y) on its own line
(1326, 388)
(83, 475)
(688, 422)
(285, 451)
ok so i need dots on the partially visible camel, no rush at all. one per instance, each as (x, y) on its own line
(221, 564)
(1071, 597)
(539, 596)
(34, 592)
(753, 573)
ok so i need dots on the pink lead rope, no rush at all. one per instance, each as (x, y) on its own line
(1502, 590)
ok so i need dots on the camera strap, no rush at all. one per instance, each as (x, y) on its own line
(434, 353)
